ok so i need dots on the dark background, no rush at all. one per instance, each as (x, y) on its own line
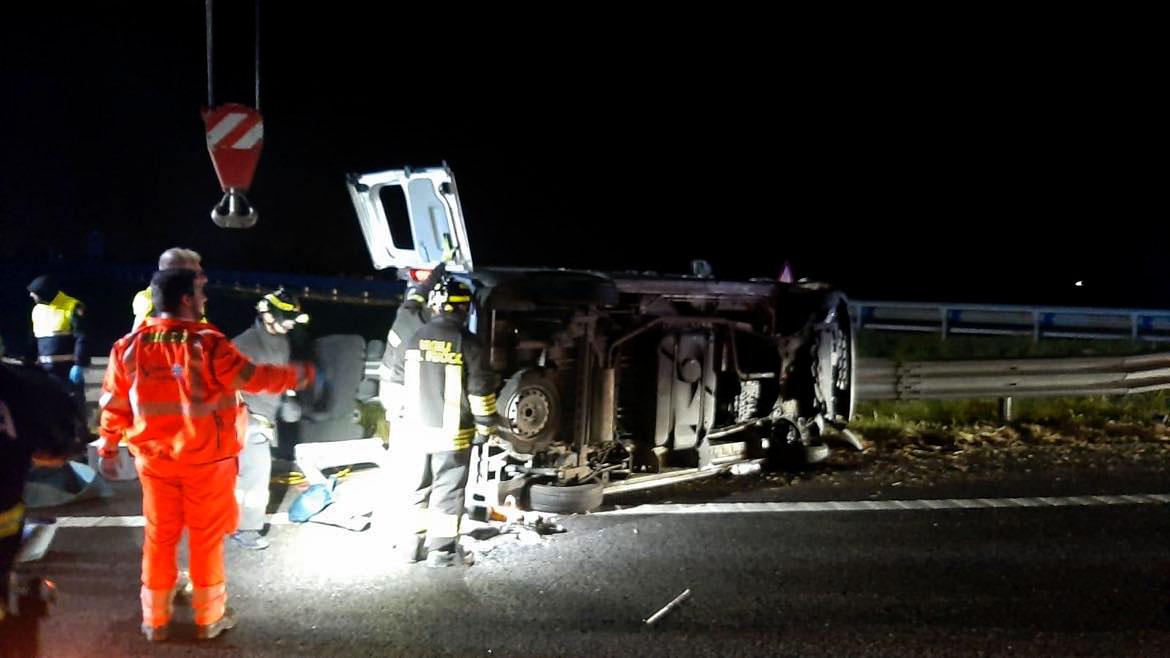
(994, 158)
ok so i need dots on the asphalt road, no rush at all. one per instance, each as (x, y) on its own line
(1083, 579)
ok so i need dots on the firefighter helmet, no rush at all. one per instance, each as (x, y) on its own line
(282, 306)
(451, 296)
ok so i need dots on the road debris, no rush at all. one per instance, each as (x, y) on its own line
(666, 609)
(745, 468)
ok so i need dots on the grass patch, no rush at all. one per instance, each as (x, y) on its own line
(1094, 410)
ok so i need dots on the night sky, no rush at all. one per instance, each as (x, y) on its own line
(936, 158)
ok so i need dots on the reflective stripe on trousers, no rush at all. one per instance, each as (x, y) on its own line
(430, 489)
(201, 499)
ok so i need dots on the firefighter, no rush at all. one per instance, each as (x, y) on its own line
(58, 325)
(170, 392)
(266, 341)
(412, 314)
(449, 403)
(175, 257)
(36, 419)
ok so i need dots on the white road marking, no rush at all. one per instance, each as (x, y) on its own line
(281, 518)
(133, 521)
(886, 505)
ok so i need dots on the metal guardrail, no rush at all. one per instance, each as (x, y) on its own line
(366, 290)
(879, 379)
(1037, 322)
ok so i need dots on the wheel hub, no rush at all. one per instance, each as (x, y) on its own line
(528, 413)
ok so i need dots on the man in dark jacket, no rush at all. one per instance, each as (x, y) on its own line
(412, 314)
(449, 402)
(36, 418)
(58, 326)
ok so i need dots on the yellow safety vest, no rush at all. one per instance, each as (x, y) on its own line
(143, 307)
(54, 318)
(10, 520)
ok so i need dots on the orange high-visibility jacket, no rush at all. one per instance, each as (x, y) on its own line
(171, 390)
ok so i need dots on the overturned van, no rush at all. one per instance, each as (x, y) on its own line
(617, 381)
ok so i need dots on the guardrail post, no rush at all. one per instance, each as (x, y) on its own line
(946, 321)
(1005, 409)
(1035, 326)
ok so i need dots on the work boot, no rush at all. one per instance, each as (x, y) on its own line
(455, 557)
(250, 540)
(438, 559)
(409, 550)
(155, 633)
(212, 630)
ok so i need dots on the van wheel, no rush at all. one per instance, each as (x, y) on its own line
(531, 407)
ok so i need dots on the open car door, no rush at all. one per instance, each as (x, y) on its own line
(410, 217)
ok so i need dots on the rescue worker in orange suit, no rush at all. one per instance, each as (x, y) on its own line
(448, 396)
(266, 341)
(36, 419)
(173, 258)
(143, 308)
(170, 392)
(58, 326)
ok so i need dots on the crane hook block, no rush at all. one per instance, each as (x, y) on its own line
(235, 135)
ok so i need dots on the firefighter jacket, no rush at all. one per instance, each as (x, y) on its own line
(412, 315)
(59, 329)
(37, 416)
(262, 347)
(449, 392)
(171, 390)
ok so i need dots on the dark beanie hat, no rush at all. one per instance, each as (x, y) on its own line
(45, 287)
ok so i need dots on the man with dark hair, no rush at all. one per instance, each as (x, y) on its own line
(170, 392)
(173, 258)
(58, 325)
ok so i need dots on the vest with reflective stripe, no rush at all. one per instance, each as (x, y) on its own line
(10, 522)
(171, 391)
(143, 307)
(54, 318)
(53, 329)
(444, 372)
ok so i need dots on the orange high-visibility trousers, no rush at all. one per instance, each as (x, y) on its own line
(200, 498)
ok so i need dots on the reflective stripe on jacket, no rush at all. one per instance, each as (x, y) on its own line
(449, 390)
(171, 389)
(55, 326)
(10, 522)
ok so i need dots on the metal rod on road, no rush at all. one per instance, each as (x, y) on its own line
(678, 600)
